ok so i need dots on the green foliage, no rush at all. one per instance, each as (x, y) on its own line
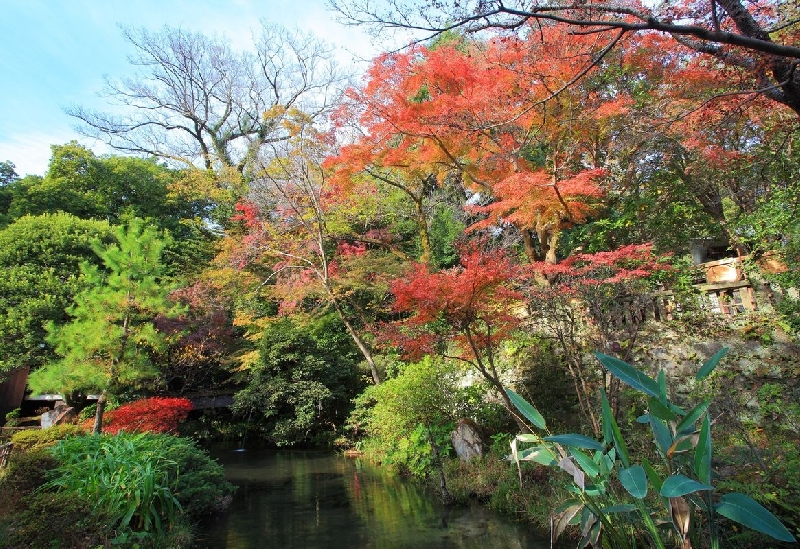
(404, 415)
(57, 521)
(37, 438)
(445, 229)
(301, 388)
(112, 343)
(39, 277)
(26, 470)
(199, 481)
(132, 487)
(684, 495)
(140, 482)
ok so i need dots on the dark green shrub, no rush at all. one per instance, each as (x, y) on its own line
(199, 481)
(57, 521)
(300, 390)
(24, 473)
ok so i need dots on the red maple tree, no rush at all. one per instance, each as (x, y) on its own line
(461, 313)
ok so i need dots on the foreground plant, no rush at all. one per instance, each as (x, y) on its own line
(676, 508)
(129, 479)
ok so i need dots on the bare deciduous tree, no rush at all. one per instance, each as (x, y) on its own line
(196, 101)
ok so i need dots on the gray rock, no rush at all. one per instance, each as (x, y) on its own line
(58, 415)
(467, 440)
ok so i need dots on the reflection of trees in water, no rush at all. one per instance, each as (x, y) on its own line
(318, 500)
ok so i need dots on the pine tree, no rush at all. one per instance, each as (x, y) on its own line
(112, 343)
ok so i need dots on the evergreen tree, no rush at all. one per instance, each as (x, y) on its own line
(112, 343)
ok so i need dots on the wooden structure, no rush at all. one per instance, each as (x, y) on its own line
(12, 391)
(727, 292)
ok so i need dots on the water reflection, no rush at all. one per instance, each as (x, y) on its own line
(314, 499)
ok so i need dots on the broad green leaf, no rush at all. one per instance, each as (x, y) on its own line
(702, 454)
(679, 485)
(526, 437)
(661, 434)
(687, 424)
(634, 480)
(538, 454)
(527, 410)
(616, 435)
(575, 441)
(752, 514)
(654, 477)
(662, 385)
(626, 508)
(710, 364)
(660, 411)
(630, 375)
(587, 464)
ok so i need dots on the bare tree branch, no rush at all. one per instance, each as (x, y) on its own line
(196, 101)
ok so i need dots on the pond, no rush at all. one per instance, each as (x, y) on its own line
(316, 500)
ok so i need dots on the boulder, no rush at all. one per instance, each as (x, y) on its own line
(467, 440)
(58, 415)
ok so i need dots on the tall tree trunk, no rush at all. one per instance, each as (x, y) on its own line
(359, 341)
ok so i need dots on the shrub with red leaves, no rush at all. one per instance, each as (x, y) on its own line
(157, 415)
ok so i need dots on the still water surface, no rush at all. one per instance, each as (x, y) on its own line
(315, 500)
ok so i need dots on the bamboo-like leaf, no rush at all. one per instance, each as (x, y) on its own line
(625, 508)
(652, 475)
(681, 515)
(586, 463)
(538, 454)
(661, 434)
(526, 437)
(527, 410)
(750, 513)
(662, 385)
(607, 462)
(660, 411)
(680, 485)
(687, 423)
(578, 476)
(630, 375)
(615, 434)
(515, 455)
(634, 480)
(702, 454)
(683, 443)
(575, 441)
(710, 364)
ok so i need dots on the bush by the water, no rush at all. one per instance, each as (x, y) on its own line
(128, 490)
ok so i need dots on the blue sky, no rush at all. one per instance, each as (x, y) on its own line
(55, 53)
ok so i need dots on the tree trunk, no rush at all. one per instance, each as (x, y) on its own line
(360, 343)
(98, 416)
(447, 498)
